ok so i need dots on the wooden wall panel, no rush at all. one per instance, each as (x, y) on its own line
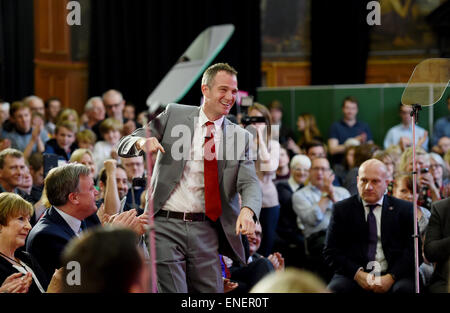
(283, 74)
(390, 71)
(280, 74)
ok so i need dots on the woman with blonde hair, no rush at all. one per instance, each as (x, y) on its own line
(70, 115)
(267, 159)
(15, 264)
(85, 157)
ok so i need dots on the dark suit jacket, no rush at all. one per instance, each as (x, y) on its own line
(287, 227)
(7, 269)
(346, 241)
(437, 244)
(47, 239)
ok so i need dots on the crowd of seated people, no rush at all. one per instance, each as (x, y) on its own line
(309, 184)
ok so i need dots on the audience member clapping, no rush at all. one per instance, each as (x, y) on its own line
(15, 214)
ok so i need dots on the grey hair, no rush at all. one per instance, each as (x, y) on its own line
(63, 180)
(438, 159)
(90, 103)
(300, 159)
(28, 99)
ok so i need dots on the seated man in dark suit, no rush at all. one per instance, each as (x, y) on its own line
(369, 242)
(437, 245)
(71, 192)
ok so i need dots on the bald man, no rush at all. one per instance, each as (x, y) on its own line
(114, 104)
(369, 242)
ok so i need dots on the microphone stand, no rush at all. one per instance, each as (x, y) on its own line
(415, 117)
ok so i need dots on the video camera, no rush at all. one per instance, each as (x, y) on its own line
(248, 120)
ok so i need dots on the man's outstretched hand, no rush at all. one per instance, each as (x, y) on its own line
(245, 224)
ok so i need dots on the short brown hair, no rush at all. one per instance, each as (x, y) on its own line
(86, 135)
(63, 180)
(11, 152)
(16, 106)
(110, 124)
(13, 205)
(211, 72)
(350, 99)
(73, 127)
(36, 161)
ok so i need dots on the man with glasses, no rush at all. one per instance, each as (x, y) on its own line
(313, 205)
(134, 168)
(402, 133)
(114, 104)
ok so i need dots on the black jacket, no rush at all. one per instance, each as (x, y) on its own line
(7, 269)
(347, 237)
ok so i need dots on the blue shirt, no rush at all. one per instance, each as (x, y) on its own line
(341, 131)
(305, 203)
(20, 141)
(395, 133)
(441, 129)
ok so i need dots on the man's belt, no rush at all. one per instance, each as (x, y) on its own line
(187, 217)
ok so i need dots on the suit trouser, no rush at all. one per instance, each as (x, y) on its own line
(187, 258)
(342, 284)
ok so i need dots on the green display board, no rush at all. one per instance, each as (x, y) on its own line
(378, 105)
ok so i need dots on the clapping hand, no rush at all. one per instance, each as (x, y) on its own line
(277, 261)
(16, 283)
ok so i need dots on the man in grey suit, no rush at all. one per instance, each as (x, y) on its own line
(196, 199)
(437, 245)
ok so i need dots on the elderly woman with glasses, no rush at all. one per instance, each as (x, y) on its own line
(19, 271)
(440, 174)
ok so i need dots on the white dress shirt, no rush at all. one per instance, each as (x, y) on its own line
(189, 195)
(73, 222)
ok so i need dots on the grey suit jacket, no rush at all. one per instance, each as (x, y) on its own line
(174, 129)
(437, 244)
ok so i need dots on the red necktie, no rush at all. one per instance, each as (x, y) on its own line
(213, 205)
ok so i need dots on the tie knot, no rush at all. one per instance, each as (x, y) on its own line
(372, 207)
(209, 123)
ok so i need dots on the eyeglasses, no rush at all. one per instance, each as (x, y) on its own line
(300, 169)
(317, 169)
(110, 106)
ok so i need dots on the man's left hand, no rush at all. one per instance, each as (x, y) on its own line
(245, 224)
(386, 282)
